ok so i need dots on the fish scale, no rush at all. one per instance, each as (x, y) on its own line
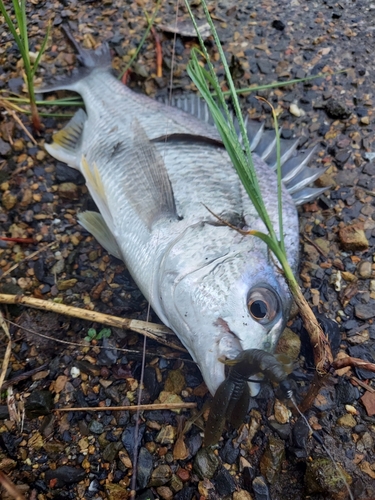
(151, 168)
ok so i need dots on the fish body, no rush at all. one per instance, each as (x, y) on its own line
(152, 170)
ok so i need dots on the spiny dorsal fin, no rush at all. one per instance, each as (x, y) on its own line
(66, 142)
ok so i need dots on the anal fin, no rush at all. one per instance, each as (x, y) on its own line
(94, 223)
(66, 142)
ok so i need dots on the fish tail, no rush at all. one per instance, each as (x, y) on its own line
(100, 58)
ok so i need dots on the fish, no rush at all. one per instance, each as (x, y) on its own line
(153, 169)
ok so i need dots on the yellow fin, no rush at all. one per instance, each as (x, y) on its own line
(66, 142)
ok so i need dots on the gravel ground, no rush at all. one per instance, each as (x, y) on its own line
(90, 454)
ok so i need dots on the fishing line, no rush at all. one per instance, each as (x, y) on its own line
(319, 440)
(138, 413)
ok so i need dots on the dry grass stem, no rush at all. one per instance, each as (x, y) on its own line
(8, 350)
(10, 487)
(156, 406)
(150, 330)
(365, 386)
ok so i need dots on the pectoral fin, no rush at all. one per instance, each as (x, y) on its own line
(147, 185)
(66, 142)
(94, 223)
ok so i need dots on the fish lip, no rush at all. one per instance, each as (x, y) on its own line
(227, 350)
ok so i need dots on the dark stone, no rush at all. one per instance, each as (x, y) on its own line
(144, 467)
(365, 311)
(224, 483)
(38, 403)
(129, 441)
(335, 109)
(283, 430)
(64, 173)
(205, 463)
(185, 493)
(346, 393)
(369, 168)
(300, 434)
(5, 148)
(260, 488)
(229, 453)
(264, 66)
(64, 476)
(278, 25)
(108, 354)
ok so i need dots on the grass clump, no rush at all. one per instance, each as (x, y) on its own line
(19, 32)
(239, 152)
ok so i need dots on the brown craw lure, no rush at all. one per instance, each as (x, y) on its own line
(231, 400)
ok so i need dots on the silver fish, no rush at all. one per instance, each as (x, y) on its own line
(152, 169)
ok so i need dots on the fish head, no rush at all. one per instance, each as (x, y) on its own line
(237, 302)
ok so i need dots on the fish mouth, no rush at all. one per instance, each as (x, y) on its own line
(229, 345)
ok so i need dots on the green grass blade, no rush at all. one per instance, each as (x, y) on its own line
(143, 39)
(41, 51)
(12, 28)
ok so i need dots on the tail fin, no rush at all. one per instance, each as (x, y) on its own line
(89, 59)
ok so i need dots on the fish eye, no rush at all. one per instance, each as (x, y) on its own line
(263, 304)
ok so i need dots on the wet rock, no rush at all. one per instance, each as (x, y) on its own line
(241, 495)
(175, 382)
(270, 463)
(322, 477)
(326, 399)
(335, 109)
(186, 493)
(129, 441)
(5, 148)
(282, 413)
(144, 467)
(224, 482)
(69, 190)
(368, 401)
(110, 452)
(63, 173)
(205, 463)
(346, 393)
(283, 431)
(278, 25)
(167, 435)
(365, 269)
(64, 476)
(96, 427)
(160, 476)
(347, 420)
(176, 483)
(117, 492)
(365, 311)
(229, 453)
(8, 200)
(289, 344)
(38, 403)
(353, 238)
(165, 493)
(261, 491)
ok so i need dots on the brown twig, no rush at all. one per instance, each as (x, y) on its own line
(23, 376)
(362, 384)
(159, 53)
(150, 330)
(317, 247)
(314, 388)
(356, 362)
(10, 487)
(28, 257)
(156, 406)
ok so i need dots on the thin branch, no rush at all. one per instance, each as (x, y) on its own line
(156, 406)
(150, 330)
